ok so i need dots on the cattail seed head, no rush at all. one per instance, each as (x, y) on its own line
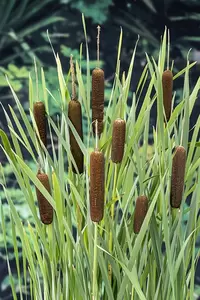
(40, 119)
(167, 84)
(45, 208)
(118, 140)
(75, 116)
(141, 209)
(177, 179)
(96, 186)
(98, 99)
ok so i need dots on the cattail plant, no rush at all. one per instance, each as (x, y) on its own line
(78, 257)
(75, 116)
(167, 85)
(141, 209)
(40, 119)
(98, 93)
(177, 179)
(45, 208)
(118, 140)
(97, 188)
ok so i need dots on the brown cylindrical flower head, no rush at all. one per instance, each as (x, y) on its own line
(40, 119)
(75, 116)
(167, 84)
(45, 208)
(98, 99)
(118, 140)
(177, 179)
(97, 187)
(141, 209)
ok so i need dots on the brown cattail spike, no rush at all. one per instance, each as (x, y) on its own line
(45, 208)
(167, 84)
(75, 116)
(98, 99)
(118, 140)
(141, 209)
(177, 179)
(96, 186)
(40, 119)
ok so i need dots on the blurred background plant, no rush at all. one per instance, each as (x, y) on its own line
(21, 23)
(23, 28)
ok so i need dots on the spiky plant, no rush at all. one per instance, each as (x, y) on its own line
(107, 260)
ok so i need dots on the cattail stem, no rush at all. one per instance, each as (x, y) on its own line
(96, 135)
(132, 293)
(73, 78)
(98, 44)
(36, 76)
(94, 279)
(112, 219)
(121, 110)
(168, 49)
(174, 214)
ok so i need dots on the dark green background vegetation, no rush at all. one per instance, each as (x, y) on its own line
(23, 28)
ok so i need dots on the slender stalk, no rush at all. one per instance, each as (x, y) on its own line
(174, 214)
(168, 50)
(132, 294)
(73, 78)
(37, 81)
(94, 279)
(98, 43)
(96, 136)
(112, 218)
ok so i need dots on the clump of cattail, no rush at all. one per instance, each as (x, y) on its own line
(97, 185)
(141, 209)
(118, 140)
(40, 119)
(45, 208)
(167, 85)
(75, 116)
(177, 179)
(98, 93)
